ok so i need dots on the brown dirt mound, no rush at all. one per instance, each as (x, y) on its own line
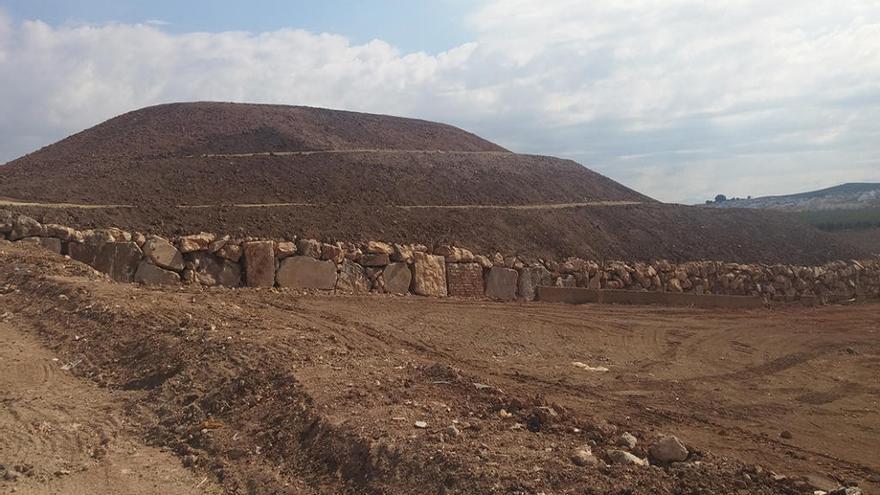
(367, 169)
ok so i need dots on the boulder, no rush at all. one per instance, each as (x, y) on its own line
(195, 242)
(398, 278)
(259, 263)
(66, 234)
(212, 270)
(48, 243)
(163, 254)
(309, 247)
(402, 252)
(218, 244)
(305, 272)
(584, 457)
(376, 247)
(627, 440)
(464, 279)
(501, 284)
(24, 226)
(332, 252)
(429, 275)
(285, 249)
(119, 260)
(668, 449)
(352, 279)
(530, 278)
(150, 274)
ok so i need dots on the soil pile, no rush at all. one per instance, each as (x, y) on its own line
(333, 175)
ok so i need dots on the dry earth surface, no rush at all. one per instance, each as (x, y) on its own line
(268, 391)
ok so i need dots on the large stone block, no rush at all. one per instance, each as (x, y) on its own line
(464, 279)
(429, 275)
(150, 274)
(530, 278)
(398, 278)
(259, 263)
(163, 254)
(375, 260)
(501, 283)
(119, 260)
(209, 269)
(196, 242)
(305, 272)
(353, 279)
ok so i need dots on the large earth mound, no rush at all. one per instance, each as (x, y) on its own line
(337, 175)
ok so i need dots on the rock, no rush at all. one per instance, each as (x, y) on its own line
(421, 424)
(583, 457)
(119, 260)
(398, 278)
(850, 490)
(429, 275)
(668, 449)
(217, 244)
(376, 247)
(66, 234)
(464, 280)
(453, 431)
(785, 434)
(259, 263)
(195, 242)
(332, 252)
(309, 247)
(230, 251)
(627, 440)
(284, 249)
(150, 274)
(624, 457)
(674, 285)
(529, 280)
(163, 254)
(48, 243)
(212, 270)
(375, 260)
(402, 253)
(25, 226)
(483, 261)
(305, 272)
(352, 279)
(501, 283)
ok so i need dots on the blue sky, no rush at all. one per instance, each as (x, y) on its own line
(431, 26)
(679, 99)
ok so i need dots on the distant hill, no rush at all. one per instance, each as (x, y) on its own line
(849, 196)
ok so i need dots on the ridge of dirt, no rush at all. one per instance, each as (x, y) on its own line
(276, 392)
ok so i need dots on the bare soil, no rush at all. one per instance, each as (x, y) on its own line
(867, 240)
(278, 392)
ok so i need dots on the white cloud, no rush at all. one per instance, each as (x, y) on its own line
(681, 99)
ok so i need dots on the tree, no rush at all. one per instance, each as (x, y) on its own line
(720, 198)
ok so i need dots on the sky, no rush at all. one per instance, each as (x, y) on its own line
(679, 99)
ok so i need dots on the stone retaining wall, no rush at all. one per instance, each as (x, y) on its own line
(437, 271)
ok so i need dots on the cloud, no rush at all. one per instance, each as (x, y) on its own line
(681, 99)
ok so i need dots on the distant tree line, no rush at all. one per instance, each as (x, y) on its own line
(862, 218)
(722, 198)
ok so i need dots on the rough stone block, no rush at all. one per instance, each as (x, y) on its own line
(429, 275)
(150, 274)
(375, 260)
(119, 260)
(48, 243)
(464, 279)
(398, 278)
(530, 278)
(501, 284)
(259, 263)
(305, 272)
(211, 270)
(163, 254)
(352, 279)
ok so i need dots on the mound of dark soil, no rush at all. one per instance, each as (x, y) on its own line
(352, 175)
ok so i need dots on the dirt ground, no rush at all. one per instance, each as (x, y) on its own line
(267, 391)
